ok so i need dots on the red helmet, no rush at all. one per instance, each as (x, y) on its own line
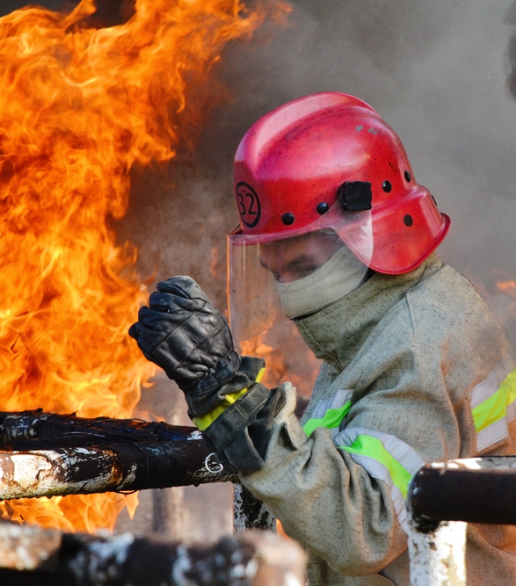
(327, 154)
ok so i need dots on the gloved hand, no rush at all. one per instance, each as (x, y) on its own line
(183, 333)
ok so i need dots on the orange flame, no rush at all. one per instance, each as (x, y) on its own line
(286, 356)
(508, 286)
(79, 107)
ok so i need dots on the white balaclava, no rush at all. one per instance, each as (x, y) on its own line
(338, 276)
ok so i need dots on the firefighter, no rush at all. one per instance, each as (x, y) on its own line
(336, 234)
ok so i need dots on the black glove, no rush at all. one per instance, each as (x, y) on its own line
(183, 333)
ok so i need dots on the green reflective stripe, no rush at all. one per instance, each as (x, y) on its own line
(490, 411)
(332, 419)
(371, 447)
(495, 408)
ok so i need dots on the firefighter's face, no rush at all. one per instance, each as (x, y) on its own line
(295, 258)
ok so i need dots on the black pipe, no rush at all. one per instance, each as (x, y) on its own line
(73, 455)
(457, 491)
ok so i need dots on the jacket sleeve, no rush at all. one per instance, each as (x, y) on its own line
(343, 494)
(326, 500)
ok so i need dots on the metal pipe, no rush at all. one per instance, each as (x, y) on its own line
(109, 465)
(51, 455)
(475, 490)
(104, 469)
(21, 430)
(442, 497)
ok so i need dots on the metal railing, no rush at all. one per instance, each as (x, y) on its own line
(69, 455)
(443, 498)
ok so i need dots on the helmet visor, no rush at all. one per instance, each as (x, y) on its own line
(272, 278)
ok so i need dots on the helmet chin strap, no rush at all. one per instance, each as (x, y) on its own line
(337, 277)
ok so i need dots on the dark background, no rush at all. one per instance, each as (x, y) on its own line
(10, 5)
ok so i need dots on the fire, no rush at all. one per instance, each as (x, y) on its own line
(276, 371)
(79, 108)
(508, 286)
(286, 356)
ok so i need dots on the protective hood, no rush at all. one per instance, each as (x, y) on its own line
(336, 332)
(337, 277)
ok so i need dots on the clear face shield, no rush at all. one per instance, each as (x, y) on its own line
(272, 278)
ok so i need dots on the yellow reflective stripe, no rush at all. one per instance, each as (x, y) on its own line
(331, 419)
(372, 447)
(494, 408)
(205, 421)
(259, 376)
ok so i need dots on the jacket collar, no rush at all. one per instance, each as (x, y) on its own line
(336, 332)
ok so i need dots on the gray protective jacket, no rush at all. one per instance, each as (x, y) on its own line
(412, 368)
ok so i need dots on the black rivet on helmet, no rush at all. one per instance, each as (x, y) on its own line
(386, 186)
(408, 178)
(407, 220)
(322, 208)
(287, 219)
